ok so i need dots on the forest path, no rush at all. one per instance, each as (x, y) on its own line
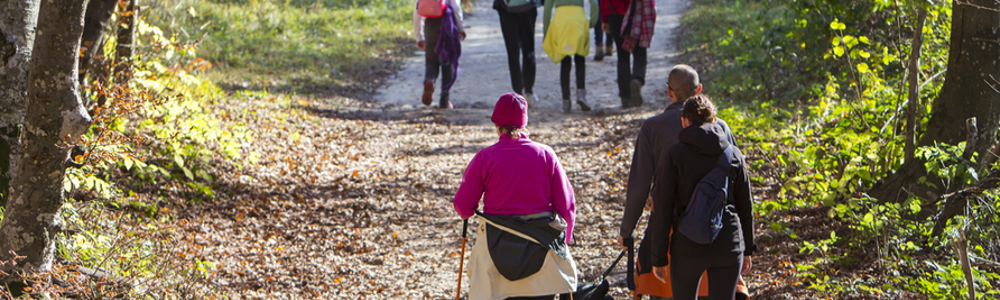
(483, 77)
(351, 199)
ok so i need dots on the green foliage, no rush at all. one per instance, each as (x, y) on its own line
(296, 45)
(817, 90)
(945, 162)
(948, 282)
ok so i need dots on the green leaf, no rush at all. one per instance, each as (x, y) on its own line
(836, 25)
(178, 159)
(838, 51)
(914, 206)
(863, 68)
(863, 39)
(850, 41)
(864, 54)
(187, 173)
(868, 219)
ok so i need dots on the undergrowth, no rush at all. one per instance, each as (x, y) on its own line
(168, 131)
(292, 46)
(817, 90)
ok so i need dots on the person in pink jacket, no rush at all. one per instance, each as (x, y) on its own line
(521, 181)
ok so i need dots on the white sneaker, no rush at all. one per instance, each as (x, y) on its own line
(531, 98)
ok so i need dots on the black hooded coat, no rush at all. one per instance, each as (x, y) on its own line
(686, 163)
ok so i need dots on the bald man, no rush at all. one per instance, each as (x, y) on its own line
(655, 138)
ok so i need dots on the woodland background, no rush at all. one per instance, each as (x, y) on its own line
(240, 155)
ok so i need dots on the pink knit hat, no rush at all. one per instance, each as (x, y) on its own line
(511, 111)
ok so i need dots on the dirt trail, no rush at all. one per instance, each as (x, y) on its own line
(484, 73)
(354, 202)
(577, 137)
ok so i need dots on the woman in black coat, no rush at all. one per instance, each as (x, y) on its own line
(701, 142)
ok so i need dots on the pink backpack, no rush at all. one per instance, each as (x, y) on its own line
(430, 8)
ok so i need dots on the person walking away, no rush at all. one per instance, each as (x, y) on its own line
(517, 24)
(656, 135)
(522, 186)
(630, 23)
(566, 41)
(601, 39)
(439, 27)
(702, 145)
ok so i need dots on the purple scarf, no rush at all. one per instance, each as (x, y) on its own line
(449, 46)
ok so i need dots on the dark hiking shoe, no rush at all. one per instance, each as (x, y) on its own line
(428, 97)
(599, 54)
(636, 86)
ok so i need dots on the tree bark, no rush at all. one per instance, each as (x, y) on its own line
(126, 41)
(914, 92)
(95, 26)
(17, 35)
(966, 93)
(53, 117)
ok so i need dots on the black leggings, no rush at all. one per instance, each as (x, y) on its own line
(581, 73)
(599, 36)
(519, 36)
(685, 276)
(626, 72)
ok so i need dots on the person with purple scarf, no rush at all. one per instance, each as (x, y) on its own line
(444, 34)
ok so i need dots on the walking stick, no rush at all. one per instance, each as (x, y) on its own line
(461, 260)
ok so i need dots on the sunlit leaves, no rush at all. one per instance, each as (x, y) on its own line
(837, 25)
(863, 68)
(838, 51)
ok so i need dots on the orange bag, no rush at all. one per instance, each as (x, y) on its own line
(647, 284)
(430, 8)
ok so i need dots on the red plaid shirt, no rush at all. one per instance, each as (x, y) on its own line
(643, 24)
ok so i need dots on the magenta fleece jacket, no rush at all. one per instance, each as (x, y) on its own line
(518, 177)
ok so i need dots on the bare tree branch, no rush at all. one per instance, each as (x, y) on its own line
(959, 2)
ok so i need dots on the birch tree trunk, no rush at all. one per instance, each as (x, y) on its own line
(17, 35)
(54, 116)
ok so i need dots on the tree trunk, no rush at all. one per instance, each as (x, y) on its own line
(966, 94)
(54, 116)
(914, 85)
(17, 35)
(95, 25)
(126, 39)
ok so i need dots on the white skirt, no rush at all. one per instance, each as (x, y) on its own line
(557, 275)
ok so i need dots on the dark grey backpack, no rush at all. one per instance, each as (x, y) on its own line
(702, 220)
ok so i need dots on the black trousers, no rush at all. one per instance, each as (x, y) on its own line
(723, 272)
(432, 65)
(519, 36)
(581, 73)
(599, 36)
(550, 297)
(627, 70)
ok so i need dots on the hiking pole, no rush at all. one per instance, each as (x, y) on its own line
(461, 260)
